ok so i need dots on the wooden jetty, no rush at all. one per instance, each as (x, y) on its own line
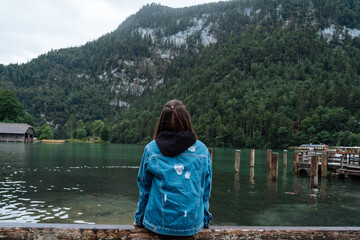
(341, 160)
(52, 141)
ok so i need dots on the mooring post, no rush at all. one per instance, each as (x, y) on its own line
(237, 160)
(314, 174)
(268, 158)
(274, 166)
(324, 165)
(296, 162)
(285, 159)
(252, 158)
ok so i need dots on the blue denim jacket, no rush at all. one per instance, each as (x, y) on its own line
(174, 191)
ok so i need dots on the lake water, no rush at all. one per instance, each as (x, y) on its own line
(89, 183)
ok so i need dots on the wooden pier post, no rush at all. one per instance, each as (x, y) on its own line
(296, 162)
(324, 165)
(237, 160)
(285, 159)
(211, 154)
(274, 166)
(268, 158)
(314, 172)
(252, 158)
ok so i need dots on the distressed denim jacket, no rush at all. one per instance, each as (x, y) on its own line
(174, 191)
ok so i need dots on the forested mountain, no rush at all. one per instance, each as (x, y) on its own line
(252, 73)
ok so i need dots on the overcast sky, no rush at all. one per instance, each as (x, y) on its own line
(29, 28)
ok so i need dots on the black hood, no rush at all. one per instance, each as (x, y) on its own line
(172, 144)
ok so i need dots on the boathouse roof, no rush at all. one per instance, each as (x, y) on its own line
(14, 128)
(310, 146)
(313, 145)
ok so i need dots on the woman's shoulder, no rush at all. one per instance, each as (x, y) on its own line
(152, 148)
(200, 144)
(200, 147)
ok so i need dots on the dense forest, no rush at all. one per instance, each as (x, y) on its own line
(252, 73)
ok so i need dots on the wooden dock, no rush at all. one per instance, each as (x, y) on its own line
(52, 141)
(342, 160)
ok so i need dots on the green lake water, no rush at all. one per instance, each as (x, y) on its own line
(89, 183)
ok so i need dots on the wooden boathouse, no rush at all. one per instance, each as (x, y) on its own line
(16, 132)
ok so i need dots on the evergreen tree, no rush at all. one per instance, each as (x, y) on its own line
(11, 110)
(96, 127)
(105, 133)
(80, 131)
(46, 132)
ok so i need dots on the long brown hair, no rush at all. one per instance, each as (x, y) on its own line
(174, 117)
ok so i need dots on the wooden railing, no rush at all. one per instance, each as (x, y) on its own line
(343, 158)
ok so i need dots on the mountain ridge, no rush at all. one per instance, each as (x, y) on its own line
(236, 47)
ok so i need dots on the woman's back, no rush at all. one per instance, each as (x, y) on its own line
(174, 177)
(176, 197)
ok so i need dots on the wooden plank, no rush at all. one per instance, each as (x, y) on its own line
(296, 163)
(349, 172)
(324, 165)
(268, 159)
(353, 167)
(342, 160)
(252, 158)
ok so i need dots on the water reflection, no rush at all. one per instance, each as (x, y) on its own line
(271, 185)
(294, 184)
(252, 175)
(70, 173)
(313, 196)
(284, 176)
(56, 183)
(323, 185)
(236, 182)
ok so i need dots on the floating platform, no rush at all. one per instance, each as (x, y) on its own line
(53, 141)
